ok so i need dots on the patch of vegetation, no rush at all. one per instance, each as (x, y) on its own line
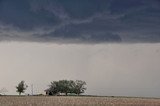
(65, 87)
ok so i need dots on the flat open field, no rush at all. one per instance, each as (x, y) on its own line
(75, 101)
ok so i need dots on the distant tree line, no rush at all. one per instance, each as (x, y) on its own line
(58, 87)
(66, 86)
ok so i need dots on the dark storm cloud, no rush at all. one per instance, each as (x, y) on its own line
(80, 20)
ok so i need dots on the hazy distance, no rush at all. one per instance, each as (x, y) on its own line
(108, 69)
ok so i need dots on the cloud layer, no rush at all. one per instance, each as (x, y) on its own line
(80, 21)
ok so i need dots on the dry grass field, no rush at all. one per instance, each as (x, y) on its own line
(75, 101)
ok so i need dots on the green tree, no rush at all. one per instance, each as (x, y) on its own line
(21, 87)
(64, 86)
(79, 87)
(53, 88)
(71, 86)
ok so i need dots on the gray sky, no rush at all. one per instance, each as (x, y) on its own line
(80, 21)
(108, 69)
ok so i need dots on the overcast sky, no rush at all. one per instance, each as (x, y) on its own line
(113, 45)
(108, 69)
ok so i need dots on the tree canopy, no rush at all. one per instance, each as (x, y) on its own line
(66, 86)
(21, 87)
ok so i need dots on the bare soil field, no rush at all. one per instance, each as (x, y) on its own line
(76, 101)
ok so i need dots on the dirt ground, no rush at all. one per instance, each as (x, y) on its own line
(76, 101)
